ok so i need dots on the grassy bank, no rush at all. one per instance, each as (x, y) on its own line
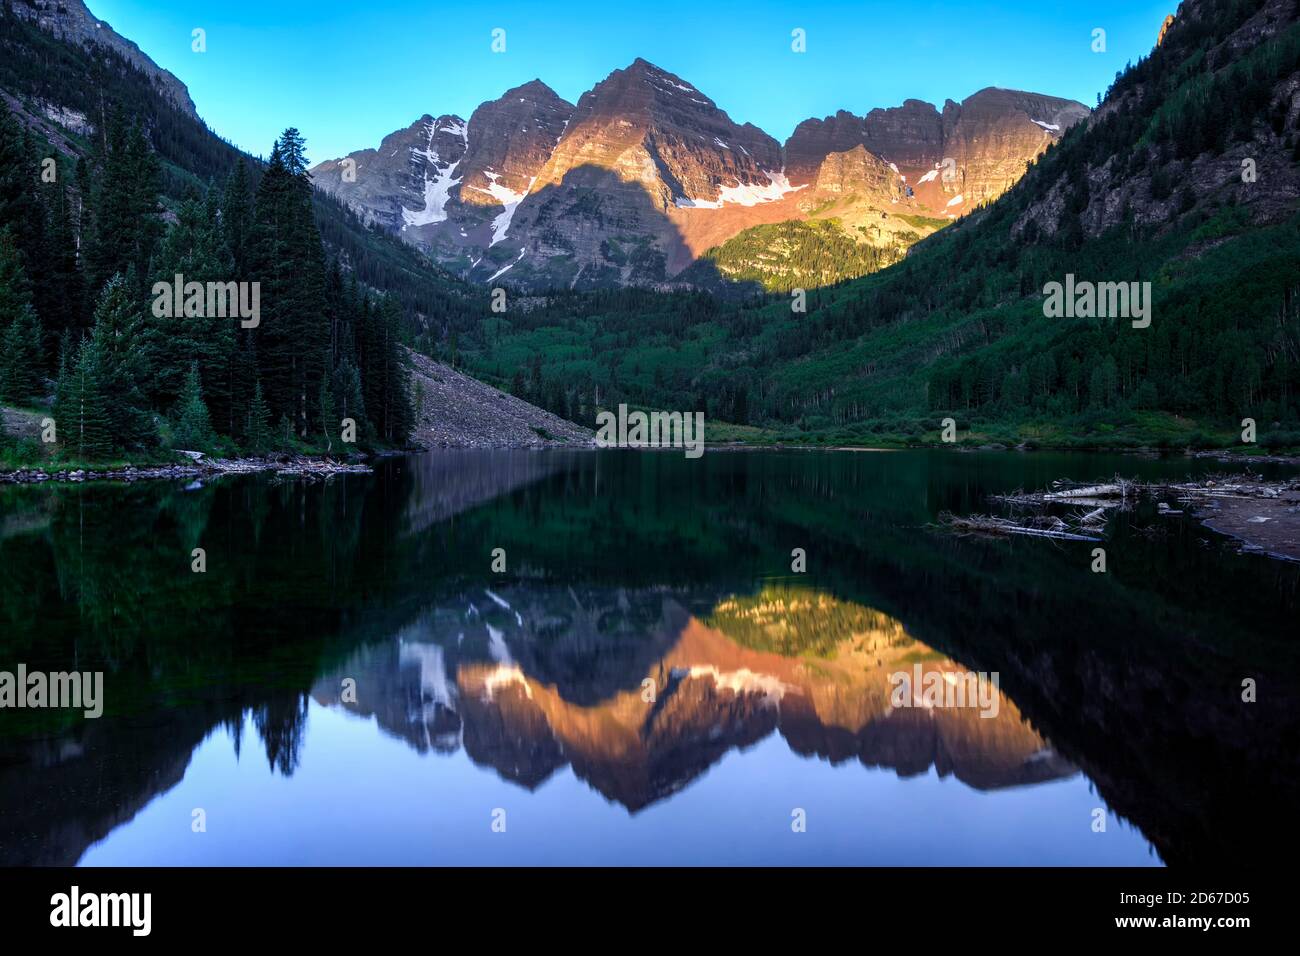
(1134, 431)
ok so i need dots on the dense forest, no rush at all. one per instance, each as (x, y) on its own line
(84, 246)
(144, 192)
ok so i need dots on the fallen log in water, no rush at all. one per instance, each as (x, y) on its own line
(1107, 495)
(1033, 527)
(1090, 491)
(1123, 492)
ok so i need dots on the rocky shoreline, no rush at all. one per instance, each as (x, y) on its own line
(1262, 523)
(296, 466)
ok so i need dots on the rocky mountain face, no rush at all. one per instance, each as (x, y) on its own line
(665, 135)
(69, 20)
(643, 146)
(860, 171)
(506, 143)
(407, 180)
(646, 175)
(1164, 28)
(989, 138)
(815, 139)
(451, 187)
(1245, 159)
(511, 139)
(995, 133)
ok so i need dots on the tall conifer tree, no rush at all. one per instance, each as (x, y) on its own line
(287, 258)
(20, 331)
(122, 363)
(80, 407)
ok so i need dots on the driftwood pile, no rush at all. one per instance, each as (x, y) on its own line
(294, 466)
(1093, 504)
(1124, 492)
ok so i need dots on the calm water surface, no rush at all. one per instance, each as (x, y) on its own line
(350, 681)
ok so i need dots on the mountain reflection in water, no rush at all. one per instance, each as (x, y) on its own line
(486, 676)
(648, 682)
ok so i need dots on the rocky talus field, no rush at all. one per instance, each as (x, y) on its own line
(456, 411)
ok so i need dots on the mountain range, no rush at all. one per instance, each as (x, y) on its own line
(1185, 181)
(1186, 177)
(646, 176)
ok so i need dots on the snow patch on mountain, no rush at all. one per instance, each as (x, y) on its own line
(1048, 126)
(508, 198)
(437, 190)
(681, 202)
(457, 126)
(507, 268)
(438, 179)
(748, 194)
(745, 194)
(505, 675)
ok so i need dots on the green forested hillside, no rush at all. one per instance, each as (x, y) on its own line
(958, 328)
(800, 255)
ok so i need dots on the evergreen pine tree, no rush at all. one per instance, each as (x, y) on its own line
(193, 427)
(237, 217)
(125, 224)
(144, 171)
(122, 363)
(287, 258)
(20, 331)
(352, 403)
(60, 299)
(17, 178)
(80, 406)
(285, 430)
(258, 436)
(194, 249)
(244, 384)
(394, 416)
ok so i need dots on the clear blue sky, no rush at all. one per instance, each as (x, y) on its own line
(347, 72)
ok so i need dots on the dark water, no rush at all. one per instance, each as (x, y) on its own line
(647, 681)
